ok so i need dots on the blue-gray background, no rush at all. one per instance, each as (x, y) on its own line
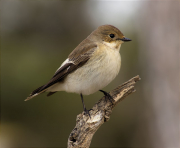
(37, 36)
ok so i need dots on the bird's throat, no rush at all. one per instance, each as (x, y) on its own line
(113, 45)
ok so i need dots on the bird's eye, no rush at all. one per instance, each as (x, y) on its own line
(112, 35)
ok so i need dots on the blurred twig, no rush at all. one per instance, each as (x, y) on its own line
(86, 127)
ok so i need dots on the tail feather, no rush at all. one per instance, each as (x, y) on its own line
(36, 92)
(51, 93)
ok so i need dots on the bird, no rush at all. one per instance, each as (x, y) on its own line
(91, 66)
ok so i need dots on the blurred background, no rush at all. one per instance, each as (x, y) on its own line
(37, 36)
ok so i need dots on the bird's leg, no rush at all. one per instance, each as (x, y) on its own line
(107, 95)
(84, 107)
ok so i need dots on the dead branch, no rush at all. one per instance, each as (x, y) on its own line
(85, 128)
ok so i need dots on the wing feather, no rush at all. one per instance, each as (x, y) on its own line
(77, 58)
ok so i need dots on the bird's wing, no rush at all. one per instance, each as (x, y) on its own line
(77, 58)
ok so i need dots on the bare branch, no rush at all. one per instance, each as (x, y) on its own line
(86, 127)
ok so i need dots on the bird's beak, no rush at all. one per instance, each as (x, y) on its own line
(125, 39)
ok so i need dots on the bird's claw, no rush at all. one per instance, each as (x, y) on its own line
(107, 96)
(86, 112)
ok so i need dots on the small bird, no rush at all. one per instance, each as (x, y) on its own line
(91, 66)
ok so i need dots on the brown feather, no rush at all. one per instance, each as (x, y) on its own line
(77, 58)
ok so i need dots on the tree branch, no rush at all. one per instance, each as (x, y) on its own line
(86, 127)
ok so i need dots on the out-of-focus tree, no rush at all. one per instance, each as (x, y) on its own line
(159, 61)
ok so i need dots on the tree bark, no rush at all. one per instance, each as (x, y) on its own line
(86, 127)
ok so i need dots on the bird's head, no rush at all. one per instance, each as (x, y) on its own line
(109, 35)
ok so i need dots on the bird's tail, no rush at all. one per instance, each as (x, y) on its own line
(35, 93)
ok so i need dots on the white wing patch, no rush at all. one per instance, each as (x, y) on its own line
(68, 68)
(65, 62)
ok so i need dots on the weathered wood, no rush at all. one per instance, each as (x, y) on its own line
(85, 128)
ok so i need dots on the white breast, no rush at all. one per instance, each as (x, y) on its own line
(97, 73)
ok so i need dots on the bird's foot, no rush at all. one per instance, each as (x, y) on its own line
(107, 96)
(86, 112)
